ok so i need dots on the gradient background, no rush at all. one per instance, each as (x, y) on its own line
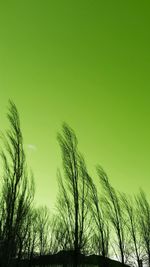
(87, 63)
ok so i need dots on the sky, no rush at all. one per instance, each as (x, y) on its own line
(86, 63)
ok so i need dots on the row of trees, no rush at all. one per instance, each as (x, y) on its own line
(106, 222)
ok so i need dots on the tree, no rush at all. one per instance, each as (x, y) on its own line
(65, 218)
(74, 188)
(132, 226)
(17, 185)
(101, 229)
(43, 229)
(113, 206)
(144, 222)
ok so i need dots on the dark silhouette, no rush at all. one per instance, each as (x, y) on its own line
(66, 258)
(87, 228)
(74, 194)
(115, 214)
(17, 192)
(43, 229)
(132, 226)
(101, 227)
(144, 223)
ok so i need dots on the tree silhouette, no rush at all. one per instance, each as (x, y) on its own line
(144, 222)
(17, 191)
(85, 222)
(101, 233)
(114, 211)
(132, 226)
(43, 229)
(74, 189)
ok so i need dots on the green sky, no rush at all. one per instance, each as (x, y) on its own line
(87, 63)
